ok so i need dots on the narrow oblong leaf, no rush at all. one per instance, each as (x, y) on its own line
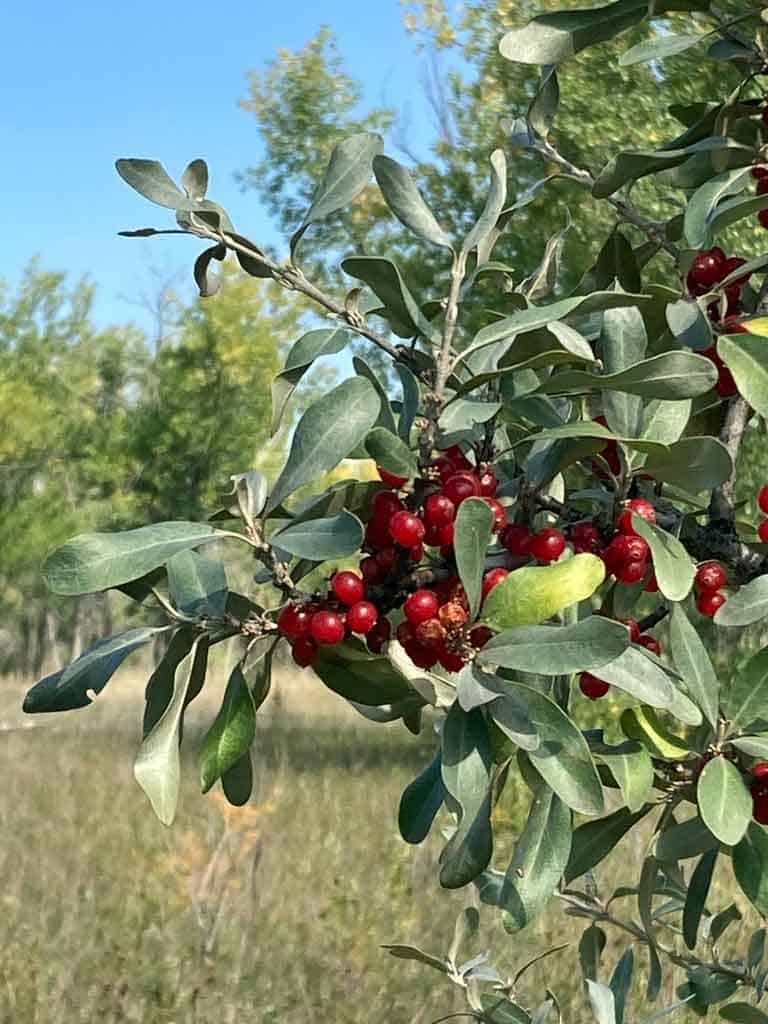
(557, 650)
(693, 463)
(704, 200)
(745, 357)
(696, 898)
(594, 840)
(623, 343)
(385, 280)
(672, 564)
(327, 432)
(420, 802)
(621, 979)
(151, 180)
(157, 765)
(237, 781)
(407, 203)
(97, 561)
(71, 687)
(472, 535)
(749, 604)
(494, 204)
(635, 673)
(725, 803)
(603, 1002)
(538, 861)
(311, 346)
(743, 1013)
(348, 172)
(685, 839)
(692, 661)
(391, 453)
(750, 866)
(320, 539)
(658, 48)
(746, 700)
(671, 375)
(231, 733)
(197, 585)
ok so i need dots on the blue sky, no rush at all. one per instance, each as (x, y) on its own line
(87, 82)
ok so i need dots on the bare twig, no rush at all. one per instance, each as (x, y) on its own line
(736, 418)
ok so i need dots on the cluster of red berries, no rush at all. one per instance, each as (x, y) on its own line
(708, 269)
(759, 789)
(436, 626)
(709, 579)
(594, 687)
(762, 502)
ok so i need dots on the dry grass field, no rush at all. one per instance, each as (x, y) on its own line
(274, 912)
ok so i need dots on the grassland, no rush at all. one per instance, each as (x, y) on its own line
(274, 912)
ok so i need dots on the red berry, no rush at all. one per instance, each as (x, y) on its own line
(304, 651)
(386, 557)
(417, 552)
(760, 810)
(734, 262)
(499, 514)
(390, 479)
(633, 627)
(370, 569)
(489, 483)
(348, 587)
(759, 769)
(445, 468)
(641, 507)
(479, 636)
(763, 218)
(446, 535)
(404, 632)
(593, 687)
(709, 602)
(327, 628)
(377, 533)
(422, 657)
(453, 615)
(650, 643)
(385, 504)
(548, 544)
(516, 539)
(631, 572)
(759, 171)
(461, 486)
(362, 617)
(706, 270)
(762, 498)
(624, 548)
(293, 621)
(420, 606)
(762, 187)
(379, 635)
(457, 457)
(492, 578)
(762, 531)
(450, 661)
(439, 510)
(407, 529)
(710, 576)
(585, 537)
(726, 385)
(652, 586)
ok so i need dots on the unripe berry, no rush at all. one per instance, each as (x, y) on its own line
(379, 635)
(516, 539)
(390, 479)
(461, 486)
(762, 531)
(762, 498)
(650, 643)
(407, 529)
(348, 587)
(362, 617)
(420, 606)
(327, 627)
(499, 514)
(710, 576)
(293, 621)
(492, 578)
(548, 544)
(439, 510)
(709, 602)
(304, 651)
(593, 687)
(641, 507)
